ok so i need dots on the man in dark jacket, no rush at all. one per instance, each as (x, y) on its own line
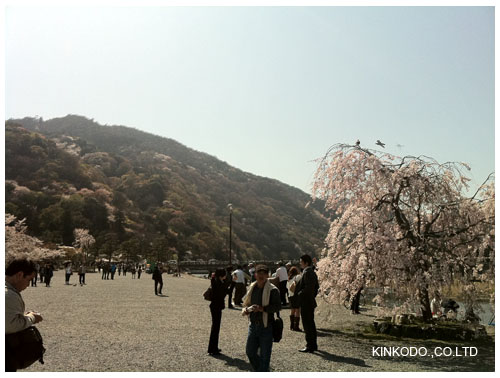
(157, 272)
(49, 272)
(306, 291)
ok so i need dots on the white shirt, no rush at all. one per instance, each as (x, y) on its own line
(282, 273)
(240, 276)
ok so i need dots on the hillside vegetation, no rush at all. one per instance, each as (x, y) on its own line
(143, 195)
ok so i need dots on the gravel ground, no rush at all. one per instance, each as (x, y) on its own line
(120, 325)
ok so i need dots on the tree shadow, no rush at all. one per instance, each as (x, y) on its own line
(236, 362)
(342, 359)
(323, 332)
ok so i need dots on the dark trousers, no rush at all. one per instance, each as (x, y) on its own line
(47, 281)
(307, 315)
(139, 275)
(283, 290)
(68, 275)
(33, 281)
(112, 275)
(82, 279)
(158, 290)
(213, 344)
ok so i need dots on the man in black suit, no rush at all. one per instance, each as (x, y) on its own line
(157, 272)
(306, 290)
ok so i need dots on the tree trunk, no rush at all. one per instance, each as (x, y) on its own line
(425, 304)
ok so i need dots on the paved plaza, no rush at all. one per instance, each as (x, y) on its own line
(120, 325)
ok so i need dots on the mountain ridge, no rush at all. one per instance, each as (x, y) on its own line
(153, 177)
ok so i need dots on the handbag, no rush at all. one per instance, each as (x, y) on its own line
(277, 328)
(208, 294)
(24, 348)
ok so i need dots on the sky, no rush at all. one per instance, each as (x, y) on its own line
(266, 89)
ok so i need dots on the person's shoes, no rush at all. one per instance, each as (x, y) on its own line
(214, 353)
(308, 350)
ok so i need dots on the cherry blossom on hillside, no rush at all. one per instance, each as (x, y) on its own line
(83, 240)
(18, 244)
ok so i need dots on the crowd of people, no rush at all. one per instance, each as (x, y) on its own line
(44, 271)
(264, 298)
(259, 302)
(109, 270)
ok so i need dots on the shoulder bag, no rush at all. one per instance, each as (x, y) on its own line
(24, 348)
(208, 294)
(277, 328)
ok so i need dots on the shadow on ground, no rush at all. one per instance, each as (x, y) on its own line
(342, 359)
(235, 362)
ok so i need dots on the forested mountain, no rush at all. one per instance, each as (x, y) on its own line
(141, 194)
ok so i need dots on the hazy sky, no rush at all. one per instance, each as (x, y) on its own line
(266, 89)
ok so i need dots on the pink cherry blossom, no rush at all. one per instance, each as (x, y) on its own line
(403, 223)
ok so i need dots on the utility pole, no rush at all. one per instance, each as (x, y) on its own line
(230, 206)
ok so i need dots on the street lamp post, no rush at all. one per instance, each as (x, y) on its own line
(230, 206)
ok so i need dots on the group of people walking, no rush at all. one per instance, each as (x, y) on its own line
(261, 302)
(45, 271)
(109, 270)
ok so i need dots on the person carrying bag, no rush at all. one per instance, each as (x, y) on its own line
(23, 342)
